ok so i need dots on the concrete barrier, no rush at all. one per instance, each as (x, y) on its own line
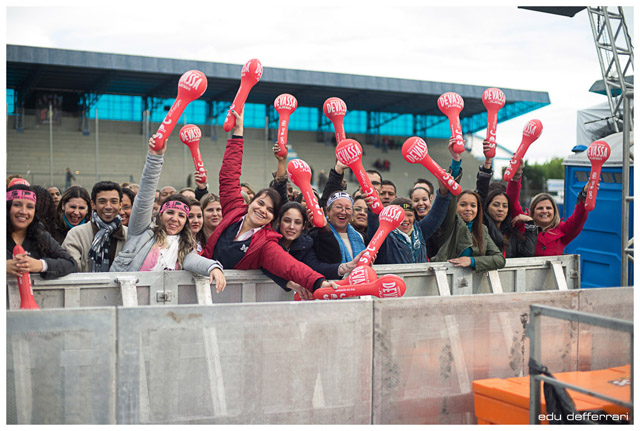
(182, 287)
(358, 361)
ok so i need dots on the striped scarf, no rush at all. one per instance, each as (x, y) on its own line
(99, 252)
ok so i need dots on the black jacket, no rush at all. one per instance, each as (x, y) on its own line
(59, 262)
(518, 245)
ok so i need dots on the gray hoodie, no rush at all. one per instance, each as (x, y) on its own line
(140, 237)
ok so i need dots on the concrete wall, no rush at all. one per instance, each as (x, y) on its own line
(407, 360)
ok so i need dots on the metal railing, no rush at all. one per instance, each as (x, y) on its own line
(535, 351)
(182, 287)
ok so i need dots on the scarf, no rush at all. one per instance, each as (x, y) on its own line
(99, 252)
(69, 225)
(357, 244)
(414, 241)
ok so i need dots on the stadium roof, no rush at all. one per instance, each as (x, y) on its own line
(31, 69)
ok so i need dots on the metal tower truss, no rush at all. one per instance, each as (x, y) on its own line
(615, 53)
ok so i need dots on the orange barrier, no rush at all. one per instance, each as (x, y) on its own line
(506, 401)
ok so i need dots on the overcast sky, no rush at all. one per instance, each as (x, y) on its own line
(488, 46)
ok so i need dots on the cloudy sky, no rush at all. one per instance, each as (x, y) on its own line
(498, 46)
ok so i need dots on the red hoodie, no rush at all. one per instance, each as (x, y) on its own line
(264, 250)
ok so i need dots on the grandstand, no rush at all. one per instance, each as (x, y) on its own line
(108, 104)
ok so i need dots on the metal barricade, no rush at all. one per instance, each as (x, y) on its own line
(383, 361)
(182, 287)
(535, 339)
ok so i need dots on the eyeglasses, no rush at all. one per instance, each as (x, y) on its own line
(340, 208)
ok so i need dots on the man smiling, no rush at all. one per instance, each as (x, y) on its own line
(95, 245)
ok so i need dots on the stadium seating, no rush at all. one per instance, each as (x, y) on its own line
(122, 148)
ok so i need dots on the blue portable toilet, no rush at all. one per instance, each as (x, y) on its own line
(599, 244)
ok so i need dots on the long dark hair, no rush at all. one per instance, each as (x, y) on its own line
(186, 238)
(45, 208)
(505, 227)
(275, 198)
(200, 236)
(476, 227)
(70, 193)
(292, 205)
(35, 230)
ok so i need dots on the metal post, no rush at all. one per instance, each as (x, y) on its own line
(626, 199)
(50, 145)
(97, 149)
(265, 177)
(184, 154)
(535, 353)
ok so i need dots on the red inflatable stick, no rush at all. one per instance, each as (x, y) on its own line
(493, 99)
(387, 286)
(597, 153)
(451, 104)
(300, 173)
(531, 132)
(359, 275)
(27, 301)
(250, 75)
(335, 109)
(284, 105)
(15, 181)
(414, 150)
(349, 152)
(190, 136)
(192, 85)
(390, 218)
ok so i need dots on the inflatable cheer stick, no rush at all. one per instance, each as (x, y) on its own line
(335, 109)
(531, 132)
(300, 173)
(284, 104)
(387, 286)
(359, 275)
(349, 152)
(414, 150)
(251, 74)
(27, 300)
(15, 181)
(192, 84)
(451, 104)
(493, 99)
(190, 136)
(597, 153)
(390, 218)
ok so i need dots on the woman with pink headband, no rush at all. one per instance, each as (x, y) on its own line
(168, 244)
(43, 253)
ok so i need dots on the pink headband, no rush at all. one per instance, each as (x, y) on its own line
(21, 194)
(176, 205)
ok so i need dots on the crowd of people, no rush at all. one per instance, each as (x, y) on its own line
(138, 227)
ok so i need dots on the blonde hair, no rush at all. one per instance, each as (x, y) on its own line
(556, 214)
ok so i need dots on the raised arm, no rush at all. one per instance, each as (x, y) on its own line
(231, 169)
(334, 183)
(143, 204)
(434, 219)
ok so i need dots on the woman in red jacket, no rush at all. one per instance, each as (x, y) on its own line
(553, 233)
(244, 239)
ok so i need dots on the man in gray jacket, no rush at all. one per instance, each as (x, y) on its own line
(95, 245)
